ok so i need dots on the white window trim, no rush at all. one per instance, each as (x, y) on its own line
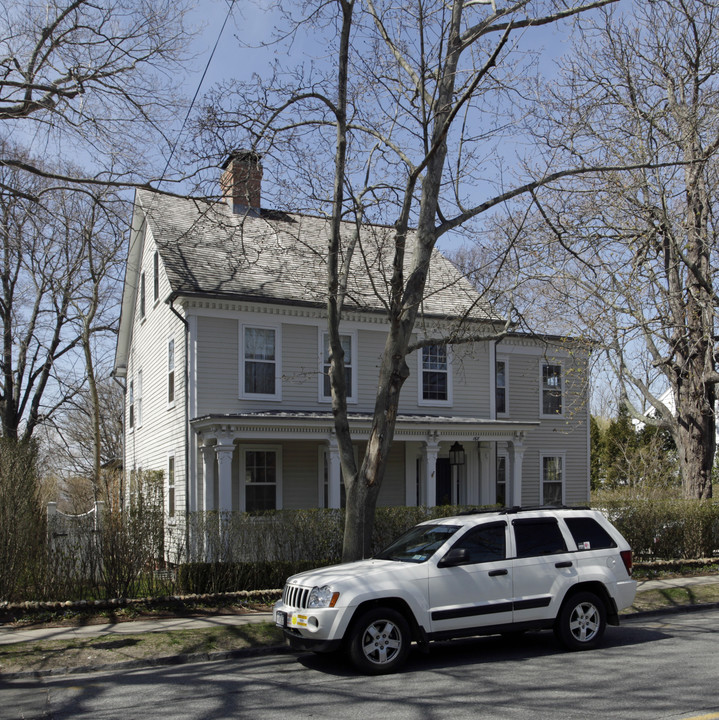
(278, 363)
(542, 364)
(420, 373)
(505, 360)
(155, 278)
(131, 419)
(562, 457)
(243, 450)
(171, 403)
(352, 394)
(142, 296)
(172, 519)
(507, 481)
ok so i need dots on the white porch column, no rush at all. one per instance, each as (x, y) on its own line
(473, 475)
(224, 464)
(334, 473)
(207, 492)
(429, 462)
(517, 458)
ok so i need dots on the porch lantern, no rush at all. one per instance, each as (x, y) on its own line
(456, 455)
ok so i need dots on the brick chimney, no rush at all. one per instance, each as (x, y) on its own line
(241, 181)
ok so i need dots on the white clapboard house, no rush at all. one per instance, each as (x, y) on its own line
(222, 348)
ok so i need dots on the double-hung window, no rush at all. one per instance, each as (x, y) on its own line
(261, 479)
(171, 486)
(435, 378)
(501, 397)
(348, 347)
(143, 291)
(552, 390)
(501, 480)
(171, 373)
(131, 404)
(156, 276)
(552, 479)
(260, 363)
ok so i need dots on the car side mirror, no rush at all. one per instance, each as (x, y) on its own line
(456, 556)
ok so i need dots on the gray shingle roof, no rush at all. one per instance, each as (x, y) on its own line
(279, 257)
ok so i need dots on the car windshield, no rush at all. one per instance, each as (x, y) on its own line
(419, 543)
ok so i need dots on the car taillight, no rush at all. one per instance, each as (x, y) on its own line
(627, 560)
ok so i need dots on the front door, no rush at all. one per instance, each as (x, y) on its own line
(443, 473)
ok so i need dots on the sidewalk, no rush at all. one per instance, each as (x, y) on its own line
(12, 635)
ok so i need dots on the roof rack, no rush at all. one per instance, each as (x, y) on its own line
(513, 510)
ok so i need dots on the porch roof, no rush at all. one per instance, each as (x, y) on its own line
(286, 425)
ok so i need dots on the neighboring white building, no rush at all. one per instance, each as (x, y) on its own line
(222, 350)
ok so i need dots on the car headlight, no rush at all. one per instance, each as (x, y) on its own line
(322, 597)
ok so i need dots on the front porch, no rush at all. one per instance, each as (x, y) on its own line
(264, 461)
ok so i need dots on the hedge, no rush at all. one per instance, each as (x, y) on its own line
(661, 528)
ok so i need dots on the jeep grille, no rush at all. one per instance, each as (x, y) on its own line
(295, 596)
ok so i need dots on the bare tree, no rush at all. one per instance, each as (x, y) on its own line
(60, 270)
(86, 424)
(633, 255)
(410, 115)
(92, 87)
(93, 79)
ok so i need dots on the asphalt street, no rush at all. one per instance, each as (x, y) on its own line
(650, 668)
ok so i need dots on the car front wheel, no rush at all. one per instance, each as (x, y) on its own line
(380, 641)
(582, 621)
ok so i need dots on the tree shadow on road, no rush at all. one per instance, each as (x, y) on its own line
(486, 650)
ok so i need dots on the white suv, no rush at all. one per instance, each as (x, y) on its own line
(480, 573)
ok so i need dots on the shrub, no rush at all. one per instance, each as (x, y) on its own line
(222, 577)
(251, 551)
(22, 522)
(660, 527)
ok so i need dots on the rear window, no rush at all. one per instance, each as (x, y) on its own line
(538, 536)
(589, 534)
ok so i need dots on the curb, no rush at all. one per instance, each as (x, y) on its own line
(183, 659)
(671, 610)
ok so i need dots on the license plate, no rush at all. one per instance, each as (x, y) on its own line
(281, 619)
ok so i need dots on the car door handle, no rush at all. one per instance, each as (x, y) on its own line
(495, 573)
(565, 564)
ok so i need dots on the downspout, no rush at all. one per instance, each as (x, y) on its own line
(493, 403)
(183, 320)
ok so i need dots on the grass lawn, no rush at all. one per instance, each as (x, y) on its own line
(93, 653)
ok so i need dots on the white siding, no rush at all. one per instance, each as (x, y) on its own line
(218, 358)
(566, 434)
(162, 433)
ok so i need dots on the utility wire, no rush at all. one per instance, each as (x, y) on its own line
(197, 91)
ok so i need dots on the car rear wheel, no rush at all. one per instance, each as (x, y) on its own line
(581, 621)
(379, 642)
